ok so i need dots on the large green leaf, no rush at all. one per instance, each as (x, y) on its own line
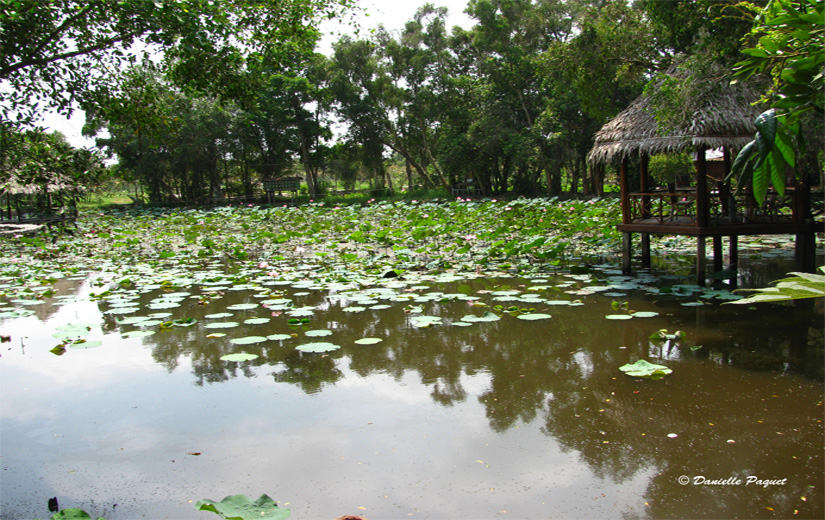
(642, 368)
(240, 507)
(796, 287)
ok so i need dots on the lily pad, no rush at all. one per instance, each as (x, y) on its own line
(240, 507)
(257, 321)
(219, 315)
(248, 340)
(645, 314)
(279, 337)
(619, 317)
(221, 325)
(242, 306)
(425, 321)
(318, 347)
(239, 356)
(368, 341)
(487, 316)
(318, 333)
(642, 368)
(534, 316)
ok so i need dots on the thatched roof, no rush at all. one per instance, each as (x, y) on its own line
(723, 117)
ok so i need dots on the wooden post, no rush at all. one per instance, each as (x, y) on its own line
(702, 205)
(627, 238)
(625, 191)
(643, 187)
(700, 260)
(627, 251)
(717, 253)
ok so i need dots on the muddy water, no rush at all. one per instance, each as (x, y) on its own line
(500, 419)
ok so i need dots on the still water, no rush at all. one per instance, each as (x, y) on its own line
(509, 418)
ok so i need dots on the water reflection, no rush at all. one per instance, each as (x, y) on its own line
(745, 397)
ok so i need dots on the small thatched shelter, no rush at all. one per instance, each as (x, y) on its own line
(50, 200)
(719, 116)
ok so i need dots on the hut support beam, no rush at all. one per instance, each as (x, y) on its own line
(700, 260)
(717, 253)
(627, 251)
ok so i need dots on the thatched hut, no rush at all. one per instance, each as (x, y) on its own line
(720, 117)
(52, 199)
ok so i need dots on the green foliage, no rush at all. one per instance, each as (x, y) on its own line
(787, 41)
(240, 507)
(666, 168)
(798, 286)
(646, 369)
(56, 52)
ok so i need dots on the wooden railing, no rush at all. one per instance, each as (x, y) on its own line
(680, 207)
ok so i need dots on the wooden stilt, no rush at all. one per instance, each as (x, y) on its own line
(627, 251)
(645, 250)
(700, 260)
(734, 253)
(717, 253)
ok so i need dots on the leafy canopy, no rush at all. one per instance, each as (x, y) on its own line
(54, 52)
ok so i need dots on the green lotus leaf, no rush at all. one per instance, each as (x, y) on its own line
(221, 325)
(642, 368)
(239, 356)
(242, 306)
(534, 316)
(279, 337)
(619, 317)
(219, 315)
(248, 340)
(240, 507)
(645, 314)
(257, 321)
(137, 333)
(488, 316)
(318, 333)
(368, 341)
(317, 347)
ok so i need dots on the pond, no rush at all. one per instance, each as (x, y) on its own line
(450, 395)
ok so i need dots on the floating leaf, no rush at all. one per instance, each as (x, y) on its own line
(248, 340)
(257, 321)
(645, 314)
(317, 347)
(488, 316)
(318, 333)
(642, 368)
(619, 317)
(533, 316)
(222, 325)
(239, 507)
(242, 306)
(239, 356)
(219, 315)
(368, 341)
(279, 337)
(425, 321)
(184, 322)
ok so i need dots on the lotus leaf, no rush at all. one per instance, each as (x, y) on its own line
(642, 368)
(239, 356)
(240, 507)
(248, 340)
(318, 347)
(488, 316)
(368, 341)
(534, 316)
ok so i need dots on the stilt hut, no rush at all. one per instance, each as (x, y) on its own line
(707, 206)
(49, 201)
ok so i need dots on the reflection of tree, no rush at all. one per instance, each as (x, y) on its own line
(564, 372)
(311, 372)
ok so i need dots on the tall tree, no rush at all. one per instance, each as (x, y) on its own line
(53, 52)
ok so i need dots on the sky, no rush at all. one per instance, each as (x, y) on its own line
(392, 15)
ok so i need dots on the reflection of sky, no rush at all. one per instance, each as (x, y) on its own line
(108, 425)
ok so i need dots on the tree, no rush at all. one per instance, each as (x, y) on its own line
(787, 42)
(56, 52)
